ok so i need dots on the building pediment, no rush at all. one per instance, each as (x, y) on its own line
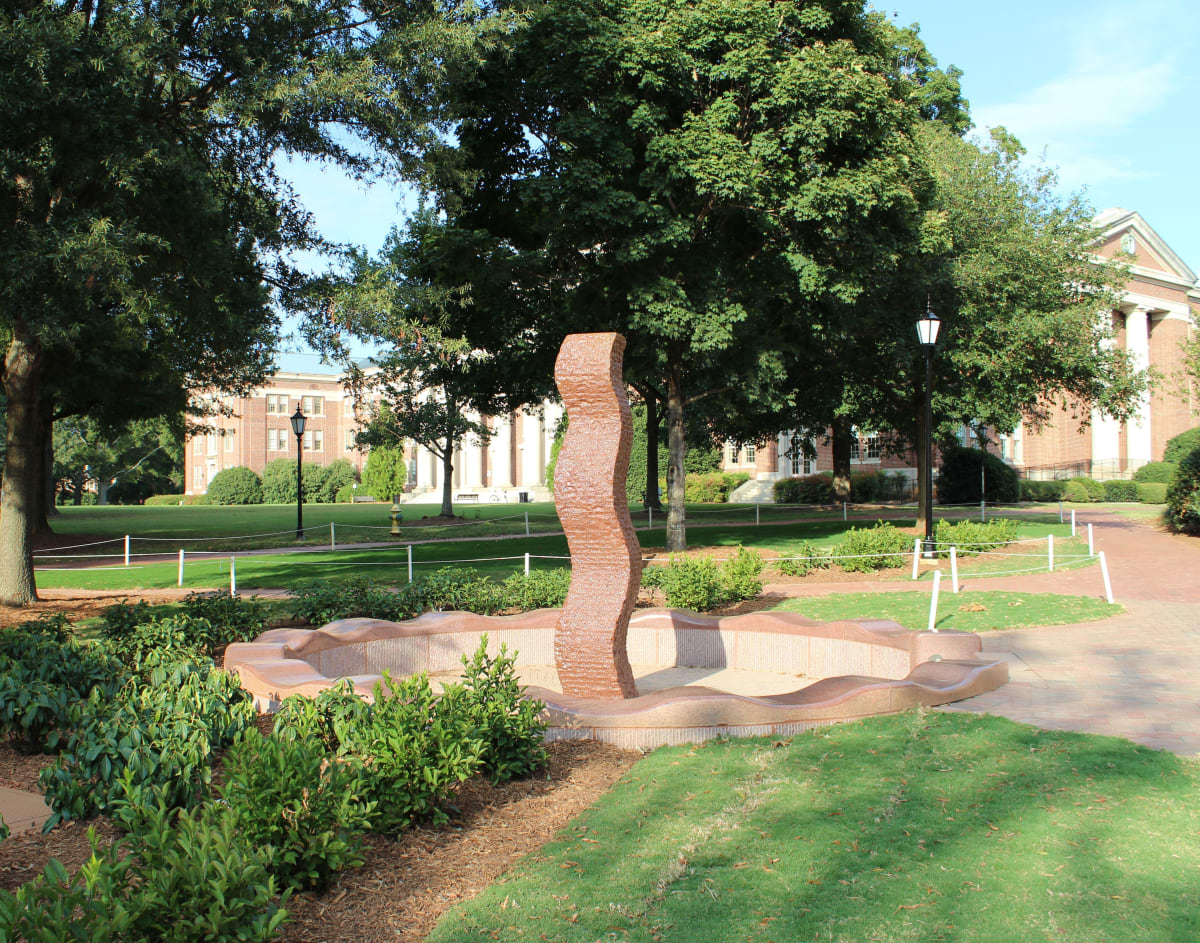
(1151, 259)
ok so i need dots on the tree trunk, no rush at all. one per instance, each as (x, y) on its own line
(652, 501)
(840, 434)
(49, 483)
(677, 448)
(23, 468)
(448, 477)
(922, 469)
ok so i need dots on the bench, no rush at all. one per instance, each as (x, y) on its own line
(467, 498)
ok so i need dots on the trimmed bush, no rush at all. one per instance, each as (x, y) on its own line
(958, 478)
(1042, 490)
(237, 485)
(691, 583)
(165, 500)
(345, 494)
(812, 489)
(541, 589)
(1152, 492)
(1183, 495)
(1120, 491)
(201, 499)
(339, 473)
(861, 545)
(1091, 489)
(712, 487)
(1076, 492)
(385, 473)
(1181, 446)
(1158, 472)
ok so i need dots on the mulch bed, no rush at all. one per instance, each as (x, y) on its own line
(405, 885)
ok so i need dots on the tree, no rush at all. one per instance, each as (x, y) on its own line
(385, 473)
(237, 485)
(691, 175)
(138, 200)
(86, 451)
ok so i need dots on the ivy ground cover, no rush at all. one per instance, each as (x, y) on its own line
(919, 826)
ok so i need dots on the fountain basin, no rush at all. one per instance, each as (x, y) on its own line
(763, 673)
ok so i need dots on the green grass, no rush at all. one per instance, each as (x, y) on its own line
(912, 827)
(279, 570)
(999, 610)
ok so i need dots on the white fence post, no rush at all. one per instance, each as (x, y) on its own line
(1091, 543)
(933, 600)
(127, 550)
(1107, 581)
(982, 512)
(332, 537)
(410, 563)
(916, 556)
(1060, 512)
(526, 564)
(954, 570)
(1072, 522)
(526, 523)
(1050, 551)
(650, 512)
(180, 581)
(756, 515)
(233, 576)
(844, 517)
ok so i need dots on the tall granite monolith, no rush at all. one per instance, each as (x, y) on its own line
(589, 490)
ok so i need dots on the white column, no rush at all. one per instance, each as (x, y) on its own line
(530, 451)
(500, 452)
(1106, 431)
(1137, 342)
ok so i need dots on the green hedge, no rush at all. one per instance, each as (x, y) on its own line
(1121, 491)
(811, 489)
(1158, 472)
(1183, 495)
(1182, 445)
(164, 500)
(1083, 490)
(1152, 492)
(1042, 490)
(237, 485)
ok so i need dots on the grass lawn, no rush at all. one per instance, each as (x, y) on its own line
(914, 827)
(967, 612)
(279, 570)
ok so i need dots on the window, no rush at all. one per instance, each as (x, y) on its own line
(198, 445)
(211, 441)
(351, 440)
(198, 476)
(854, 451)
(277, 440)
(872, 446)
(750, 454)
(277, 403)
(314, 440)
(348, 406)
(313, 405)
(802, 462)
(229, 440)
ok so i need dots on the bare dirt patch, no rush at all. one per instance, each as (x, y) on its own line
(77, 604)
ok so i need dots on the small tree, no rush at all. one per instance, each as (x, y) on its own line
(237, 485)
(279, 481)
(385, 473)
(338, 473)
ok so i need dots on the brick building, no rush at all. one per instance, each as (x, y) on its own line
(1152, 322)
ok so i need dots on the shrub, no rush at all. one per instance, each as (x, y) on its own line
(813, 489)
(712, 487)
(385, 473)
(328, 719)
(1152, 492)
(1042, 490)
(1094, 489)
(1116, 490)
(1181, 446)
(279, 482)
(741, 575)
(861, 546)
(958, 477)
(808, 558)
(237, 485)
(121, 618)
(1076, 492)
(541, 589)
(1157, 472)
(510, 725)
(338, 474)
(974, 536)
(200, 499)
(231, 618)
(181, 637)
(1183, 495)
(322, 601)
(345, 494)
(290, 797)
(164, 500)
(691, 583)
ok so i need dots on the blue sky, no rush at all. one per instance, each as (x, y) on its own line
(1105, 91)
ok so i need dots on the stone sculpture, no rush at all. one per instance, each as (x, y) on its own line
(589, 490)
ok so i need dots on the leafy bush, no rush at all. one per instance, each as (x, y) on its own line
(812, 489)
(238, 485)
(232, 618)
(1152, 492)
(290, 797)
(1116, 490)
(385, 473)
(164, 500)
(197, 499)
(328, 718)
(1181, 446)
(541, 589)
(339, 474)
(461, 589)
(807, 557)
(160, 730)
(510, 725)
(279, 482)
(1042, 490)
(691, 583)
(1094, 489)
(958, 477)
(860, 546)
(712, 487)
(1157, 472)
(322, 601)
(974, 536)
(121, 618)
(1076, 492)
(866, 487)
(345, 494)
(1183, 495)
(741, 575)
(181, 637)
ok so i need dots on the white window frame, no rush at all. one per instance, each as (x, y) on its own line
(312, 405)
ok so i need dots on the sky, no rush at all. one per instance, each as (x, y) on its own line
(1105, 92)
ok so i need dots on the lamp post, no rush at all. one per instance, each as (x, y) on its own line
(298, 421)
(927, 333)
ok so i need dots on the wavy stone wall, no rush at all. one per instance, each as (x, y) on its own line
(589, 490)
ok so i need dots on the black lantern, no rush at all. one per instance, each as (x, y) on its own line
(927, 334)
(298, 421)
